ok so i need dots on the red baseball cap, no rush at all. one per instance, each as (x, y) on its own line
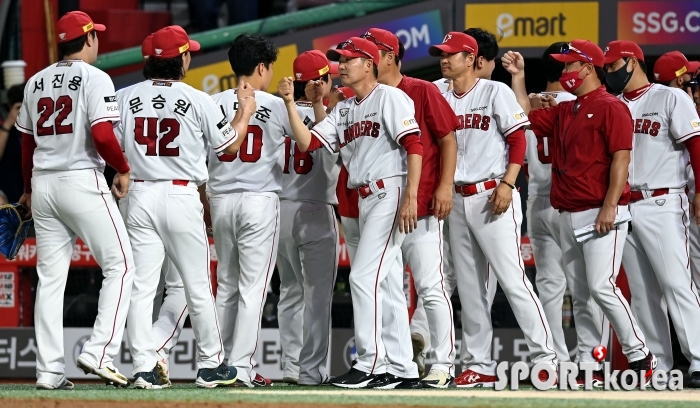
(310, 65)
(622, 49)
(74, 24)
(672, 65)
(453, 43)
(147, 46)
(333, 68)
(385, 40)
(355, 47)
(171, 41)
(582, 51)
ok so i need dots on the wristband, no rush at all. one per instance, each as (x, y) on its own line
(508, 184)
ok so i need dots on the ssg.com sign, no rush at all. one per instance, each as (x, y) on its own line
(535, 24)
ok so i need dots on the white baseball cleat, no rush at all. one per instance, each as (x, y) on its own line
(108, 373)
(64, 384)
(437, 379)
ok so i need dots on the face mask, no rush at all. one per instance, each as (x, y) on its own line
(570, 81)
(617, 80)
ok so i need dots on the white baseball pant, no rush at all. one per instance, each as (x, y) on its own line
(657, 264)
(543, 230)
(351, 234)
(423, 251)
(479, 240)
(694, 234)
(246, 235)
(308, 236)
(382, 335)
(592, 267)
(67, 205)
(172, 313)
(162, 217)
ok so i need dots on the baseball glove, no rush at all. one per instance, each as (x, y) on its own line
(15, 222)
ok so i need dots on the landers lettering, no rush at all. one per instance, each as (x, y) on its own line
(647, 127)
(473, 121)
(568, 372)
(359, 129)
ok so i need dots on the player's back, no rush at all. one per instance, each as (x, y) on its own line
(540, 182)
(255, 167)
(61, 104)
(165, 130)
(308, 176)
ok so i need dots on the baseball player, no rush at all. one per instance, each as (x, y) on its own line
(379, 144)
(308, 237)
(694, 228)
(543, 220)
(245, 207)
(66, 119)
(656, 257)
(166, 126)
(420, 334)
(591, 192)
(422, 249)
(486, 213)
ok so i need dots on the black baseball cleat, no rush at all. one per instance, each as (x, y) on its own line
(353, 379)
(147, 380)
(645, 368)
(214, 377)
(694, 380)
(390, 381)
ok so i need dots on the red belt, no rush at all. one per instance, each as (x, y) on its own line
(467, 190)
(638, 196)
(365, 191)
(175, 182)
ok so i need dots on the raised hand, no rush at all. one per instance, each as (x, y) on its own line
(286, 89)
(513, 62)
(314, 91)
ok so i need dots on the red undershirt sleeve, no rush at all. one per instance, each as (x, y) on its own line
(693, 146)
(28, 146)
(412, 144)
(108, 147)
(314, 144)
(516, 147)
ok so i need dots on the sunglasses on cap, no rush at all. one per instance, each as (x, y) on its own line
(692, 84)
(369, 36)
(571, 48)
(347, 45)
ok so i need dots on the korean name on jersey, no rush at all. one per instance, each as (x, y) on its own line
(166, 128)
(368, 131)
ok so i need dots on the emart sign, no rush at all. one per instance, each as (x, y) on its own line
(535, 24)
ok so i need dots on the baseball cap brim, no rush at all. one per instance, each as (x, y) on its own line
(570, 57)
(609, 59)
(333, 69)
(693, 67)
(437, 50)
(194, 46)
(334, 55)
(99, 27)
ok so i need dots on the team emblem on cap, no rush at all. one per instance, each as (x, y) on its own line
(656, 76)
(447, 38)
(606, 50)
(62, 36)
(158, 51)
(298, 75)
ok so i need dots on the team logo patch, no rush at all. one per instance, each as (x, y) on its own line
(590, 115)
(221, 124)
(298, 75)
(64, 64)
(382, 195)
(62, 36)
(110, 99)
(162, 83)
(158, 51)
(660, 202)
(344, 112)
(409, 122)
(520, 115)
(695, 124)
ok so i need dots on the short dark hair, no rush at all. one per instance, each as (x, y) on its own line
(15, 94)
(169, 68)
(552, 67)
(643, 66)
(300, 86)
(248, 51)
(488, 45)
(398, 56)
(75, 45)
(600, 73)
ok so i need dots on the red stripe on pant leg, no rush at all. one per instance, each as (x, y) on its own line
(612, 283)
(449, 303)
(176, 326)
(270, 265)
(376, 280)
(532, 295)
(687, 253)
(126, 269)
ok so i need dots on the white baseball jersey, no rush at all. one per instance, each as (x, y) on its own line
(61, 104)
(443, 84)
(663, 117)
(368, 131)
(540, 182)
(309, 176)
(255, 167)
(165, 129)
(487, 114)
